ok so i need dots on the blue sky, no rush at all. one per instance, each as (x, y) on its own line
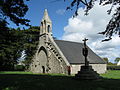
(36, 10)
(56, 10)
(67, 28)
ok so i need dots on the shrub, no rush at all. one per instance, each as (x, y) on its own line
(19, 68)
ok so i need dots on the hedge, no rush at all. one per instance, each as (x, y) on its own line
(113, 67)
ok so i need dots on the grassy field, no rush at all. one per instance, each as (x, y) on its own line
(29, 81)
(115, 74)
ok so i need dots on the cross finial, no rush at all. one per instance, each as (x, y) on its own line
(85, 41)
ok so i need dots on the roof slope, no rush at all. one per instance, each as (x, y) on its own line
(73, 52)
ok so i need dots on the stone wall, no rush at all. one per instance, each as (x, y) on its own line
(51, 64)
(100, 68)
(48, 58)
(55, 65)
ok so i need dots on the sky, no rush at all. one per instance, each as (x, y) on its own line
(76, 29)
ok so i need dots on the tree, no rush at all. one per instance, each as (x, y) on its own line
(106, 60)
(31, 42)
(117, 59)
(113, 26)
(11, 46)
(13, 42)
(14, 10)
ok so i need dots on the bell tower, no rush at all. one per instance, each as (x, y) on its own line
(46, 24)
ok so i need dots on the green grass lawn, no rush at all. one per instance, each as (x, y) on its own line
(29, 81)
(115, 74)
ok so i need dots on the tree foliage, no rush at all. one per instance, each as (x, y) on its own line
(13, 42)
(113, 26)
(13, 10)
(10, 48)
(117, 59)
(31, 42)
(106, 59)
(108, 62)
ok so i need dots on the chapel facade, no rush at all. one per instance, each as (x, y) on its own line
(59, 56)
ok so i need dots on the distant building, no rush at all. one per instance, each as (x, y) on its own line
(118, 63)
(58, 56)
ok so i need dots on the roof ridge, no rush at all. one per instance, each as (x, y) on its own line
(69, 41)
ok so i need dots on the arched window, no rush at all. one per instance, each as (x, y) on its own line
(41, 29)
(41, 23)
(48, 28)
(44, 21)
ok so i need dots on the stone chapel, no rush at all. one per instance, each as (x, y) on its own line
(59, 56)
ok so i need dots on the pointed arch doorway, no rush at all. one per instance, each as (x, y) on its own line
(43, 60)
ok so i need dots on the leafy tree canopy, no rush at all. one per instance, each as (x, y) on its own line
(117, 59)
(106, 59)
(13, 10)
(113, 26)
(13, 42)
(31, 42)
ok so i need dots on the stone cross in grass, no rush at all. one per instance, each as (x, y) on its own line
(86, 72)
(85, 52)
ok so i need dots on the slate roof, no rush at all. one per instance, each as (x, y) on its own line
(73, 52)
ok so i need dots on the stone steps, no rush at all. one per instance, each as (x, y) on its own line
(87, 73)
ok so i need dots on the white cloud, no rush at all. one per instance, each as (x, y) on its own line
(88, 26)
(60, 11)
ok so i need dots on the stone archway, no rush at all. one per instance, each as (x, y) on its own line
(42, 57)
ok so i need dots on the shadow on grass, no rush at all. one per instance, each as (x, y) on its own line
(48, 82)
